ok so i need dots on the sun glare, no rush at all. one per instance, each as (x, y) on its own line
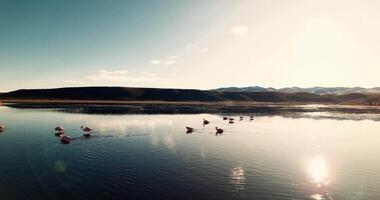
(318, 171)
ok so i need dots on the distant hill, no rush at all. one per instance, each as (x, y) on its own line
(113, 93)
(245, 89)
(256, 94)
(314, 90)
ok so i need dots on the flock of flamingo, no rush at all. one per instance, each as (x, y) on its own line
(65, 139)
(60, 132)
(218, 130)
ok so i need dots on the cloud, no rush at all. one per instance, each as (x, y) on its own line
(105, 75)
(204, 50)
(239, 31)
(170, 60)
(114, 72)
(116, 77)
(155, 62)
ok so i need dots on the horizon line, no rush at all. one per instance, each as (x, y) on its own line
(182, 88)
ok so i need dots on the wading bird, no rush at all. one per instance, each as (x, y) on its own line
(189, 129)
(65, 139)
(86, 129)
(219, 130)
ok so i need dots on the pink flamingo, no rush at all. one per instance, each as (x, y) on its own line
(65, 139)
(86, 130)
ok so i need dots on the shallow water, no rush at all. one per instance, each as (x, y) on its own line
(140, 156)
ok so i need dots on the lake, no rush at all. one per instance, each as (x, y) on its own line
(316, 155)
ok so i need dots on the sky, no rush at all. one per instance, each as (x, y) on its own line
(200, 44)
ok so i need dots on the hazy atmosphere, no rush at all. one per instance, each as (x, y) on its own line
(189, 44)
(189, 99)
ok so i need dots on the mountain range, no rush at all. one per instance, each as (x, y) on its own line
(313, 90)
(320, 95)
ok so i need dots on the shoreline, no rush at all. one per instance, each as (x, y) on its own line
(154, 102)
(190, 107)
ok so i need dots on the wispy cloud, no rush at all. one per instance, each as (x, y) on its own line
(170, 60)
(108, 75)
(204, 50)
(239, 31)
(155, 62)
(112, 77)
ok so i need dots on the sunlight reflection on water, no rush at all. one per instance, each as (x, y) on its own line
(271, 157)
(238, 177)
(318, 171)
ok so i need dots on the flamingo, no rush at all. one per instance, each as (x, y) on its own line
(224, 118)
(59, 128)
(241, 118)
(205, 122)
(86, 129)
(219, 130)
(189, 129)
(65, 139)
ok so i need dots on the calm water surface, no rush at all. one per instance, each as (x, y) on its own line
(151, 157)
